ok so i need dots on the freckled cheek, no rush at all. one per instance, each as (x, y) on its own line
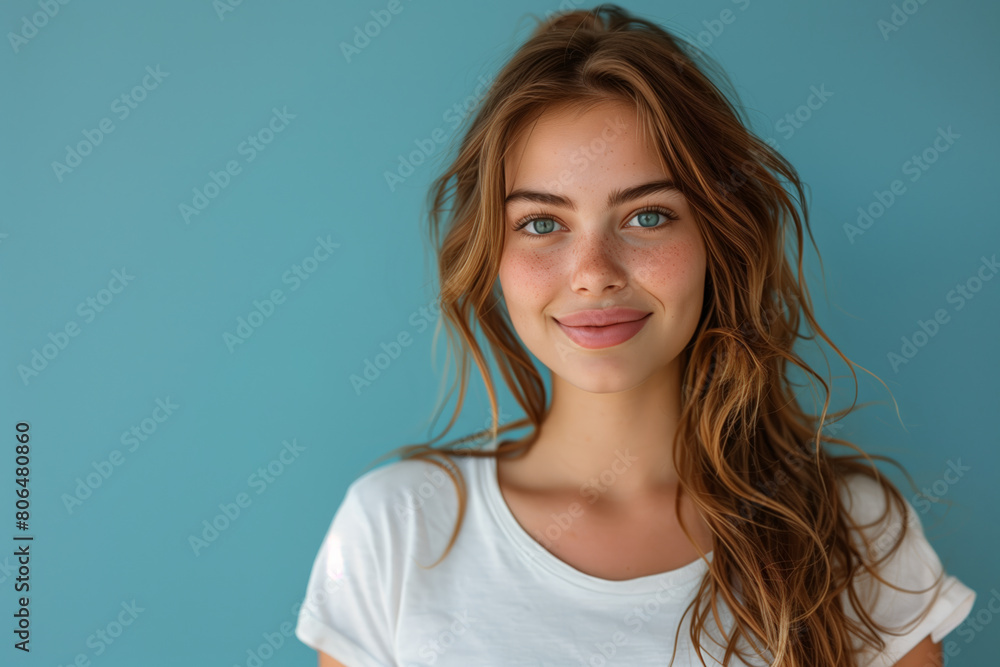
(671, 269)
(529, 278)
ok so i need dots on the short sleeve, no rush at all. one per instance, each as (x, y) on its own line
(913, 566)
(346, 611)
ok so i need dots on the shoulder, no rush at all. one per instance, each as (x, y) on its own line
(390, 482)
(876, 513)
(403, 480)
(365, 567)
(913, 593)
(405, 498)
(863, 496)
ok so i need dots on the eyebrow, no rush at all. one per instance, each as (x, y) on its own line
(616, 197)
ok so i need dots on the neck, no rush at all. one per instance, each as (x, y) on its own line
(621, 443)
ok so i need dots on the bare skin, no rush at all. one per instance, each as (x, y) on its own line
(606, 540)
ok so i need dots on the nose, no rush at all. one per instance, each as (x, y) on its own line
(597, 264)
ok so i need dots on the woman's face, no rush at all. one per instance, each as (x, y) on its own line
(643, 252)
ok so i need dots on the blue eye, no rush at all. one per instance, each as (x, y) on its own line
(539, 218)
(645, 215)
(650, 216)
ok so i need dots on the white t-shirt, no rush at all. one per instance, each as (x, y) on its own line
(500, 598)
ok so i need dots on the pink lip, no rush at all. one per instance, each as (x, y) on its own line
(601, 317)
(595, 337)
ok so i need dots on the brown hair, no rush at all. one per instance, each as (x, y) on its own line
(753, 462)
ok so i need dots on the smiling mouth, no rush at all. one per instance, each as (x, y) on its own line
(598, 337)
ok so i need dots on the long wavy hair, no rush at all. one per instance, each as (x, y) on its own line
(755, 465)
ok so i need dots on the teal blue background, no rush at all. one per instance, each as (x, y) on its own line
(323, 176)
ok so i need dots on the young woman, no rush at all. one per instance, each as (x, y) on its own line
(672, 503)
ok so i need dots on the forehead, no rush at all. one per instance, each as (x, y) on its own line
(573, 144)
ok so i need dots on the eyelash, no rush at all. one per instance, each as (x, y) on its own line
(540, 215)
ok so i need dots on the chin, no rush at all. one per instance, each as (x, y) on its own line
(603, 376)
